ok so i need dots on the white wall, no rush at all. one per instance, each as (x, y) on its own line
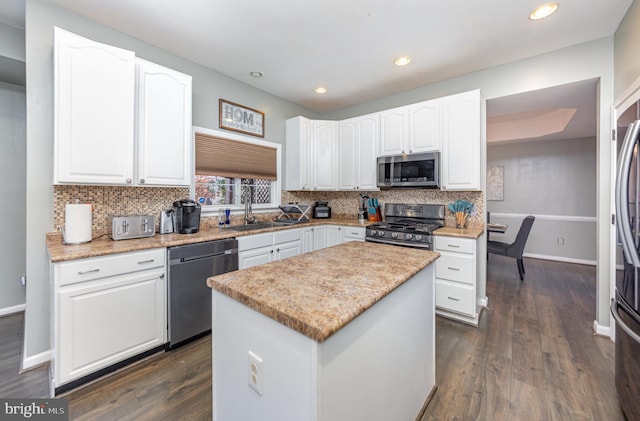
(13, 148)
(208, 87)
(591, 60)
(627, 41)
(554, 181)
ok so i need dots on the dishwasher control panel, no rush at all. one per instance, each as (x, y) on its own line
(126, 227)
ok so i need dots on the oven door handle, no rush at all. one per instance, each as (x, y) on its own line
(623, 326)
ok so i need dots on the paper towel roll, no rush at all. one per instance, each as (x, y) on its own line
(77, 220)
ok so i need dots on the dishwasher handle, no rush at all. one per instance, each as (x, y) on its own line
(203, 256)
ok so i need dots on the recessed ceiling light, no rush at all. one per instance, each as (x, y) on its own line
(321, 90)
(543, 11)
(256, 74)
(402, 61)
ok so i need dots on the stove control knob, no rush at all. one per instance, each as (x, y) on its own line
(418, 237)
(394, 235)
(381, 233)
(372, 232)
(409, 236)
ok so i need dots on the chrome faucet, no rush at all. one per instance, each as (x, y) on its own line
(246, 197)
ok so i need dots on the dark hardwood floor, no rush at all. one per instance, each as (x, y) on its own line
(533, 357)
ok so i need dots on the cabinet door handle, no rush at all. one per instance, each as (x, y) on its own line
(142, 262)
(450, 268)
(128, 180)
(453, 298)
(142, 181)
(84, 272)
(271, 251)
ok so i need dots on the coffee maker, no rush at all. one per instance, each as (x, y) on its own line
(363, 215)
(186, 216)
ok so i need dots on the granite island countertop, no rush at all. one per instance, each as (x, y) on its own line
(318, 293)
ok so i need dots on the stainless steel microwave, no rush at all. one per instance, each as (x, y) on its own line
(417, 170)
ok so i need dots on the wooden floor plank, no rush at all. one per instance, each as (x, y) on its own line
(533, 357)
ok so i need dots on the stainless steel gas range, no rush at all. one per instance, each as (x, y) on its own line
(409, 225)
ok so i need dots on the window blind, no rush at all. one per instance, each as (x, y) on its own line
(233, 158)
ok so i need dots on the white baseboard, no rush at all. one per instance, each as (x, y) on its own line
(561, 259)
(12, 310)
(601, 330)
(36, 360)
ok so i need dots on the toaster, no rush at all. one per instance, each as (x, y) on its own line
(126, 227)
(321, 210)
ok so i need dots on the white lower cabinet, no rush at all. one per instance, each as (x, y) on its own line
(107, 309)
(456, 278)
(254, 250)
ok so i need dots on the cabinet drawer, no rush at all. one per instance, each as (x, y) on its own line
(249, 242)
(456, 267)
(286, 235)
(99, 267)
(457, 245)
(456, 297)
(353, 233)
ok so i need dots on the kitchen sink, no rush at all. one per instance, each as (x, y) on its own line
(250, 227)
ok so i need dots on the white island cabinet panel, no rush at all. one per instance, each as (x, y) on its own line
(94, 111)
(163, 125)
(304, 380)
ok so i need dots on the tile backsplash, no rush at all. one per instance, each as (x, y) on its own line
(345, 204)
(115, 201)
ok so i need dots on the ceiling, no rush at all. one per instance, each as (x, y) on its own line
(349, 46)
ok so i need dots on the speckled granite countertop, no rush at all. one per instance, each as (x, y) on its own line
(473, 232)
(59, 252)
(318, 293)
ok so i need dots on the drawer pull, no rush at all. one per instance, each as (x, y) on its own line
(88, 271)
(455, 246)
(450, 268)
(142, 262)
(453, 298)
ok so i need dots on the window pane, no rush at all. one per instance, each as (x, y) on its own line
(213, 190)
(260, 189)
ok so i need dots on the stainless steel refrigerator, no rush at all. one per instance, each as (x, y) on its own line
(625, 308)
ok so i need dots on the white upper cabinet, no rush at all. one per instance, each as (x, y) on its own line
(324, 157)
(94, 111)
(298, 162)
(394, 131)
(357, 151)
(367, 151)
(425, 133)
(411, 129)
(115, 125)
(463, 137)
(163, 125)
(347, 150)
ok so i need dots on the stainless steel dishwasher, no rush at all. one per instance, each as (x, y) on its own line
(189, 309)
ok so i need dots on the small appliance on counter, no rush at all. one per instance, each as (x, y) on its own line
(166, 221)
(77, 223)
(186, 216)
(321, 210)
(136, 226)
(363, 214)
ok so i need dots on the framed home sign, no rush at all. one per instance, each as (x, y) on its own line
(241, 119)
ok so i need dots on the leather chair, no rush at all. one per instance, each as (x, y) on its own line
(516, 248)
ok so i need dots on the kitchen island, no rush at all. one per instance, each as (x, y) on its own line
(346, 332)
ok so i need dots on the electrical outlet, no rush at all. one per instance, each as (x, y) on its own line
(23, 280)
(560, 241)
(255, 372)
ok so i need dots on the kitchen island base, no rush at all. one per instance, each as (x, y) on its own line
(380, 366)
